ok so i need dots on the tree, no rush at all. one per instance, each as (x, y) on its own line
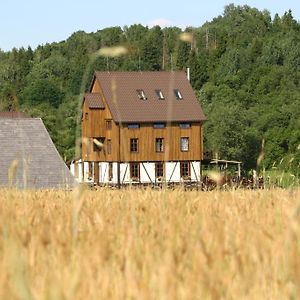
(43, 91)
(151, 50)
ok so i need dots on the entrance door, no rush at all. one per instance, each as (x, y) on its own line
(96, 172)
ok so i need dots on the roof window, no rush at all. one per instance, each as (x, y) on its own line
(159, 94)
(141, 94)
(178, 94)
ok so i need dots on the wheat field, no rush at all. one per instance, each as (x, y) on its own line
(147, 244)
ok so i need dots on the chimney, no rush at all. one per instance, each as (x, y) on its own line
(188, 74)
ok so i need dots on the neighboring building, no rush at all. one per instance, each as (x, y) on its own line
(143, 127)
(28, 156)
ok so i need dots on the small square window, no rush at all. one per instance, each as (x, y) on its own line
(159, 145)
(185, 125)
(159, 125)
(98, 144)
(134, 171)
(86, 116)
(141, 94)
(184, 144)
(178, 95)
(108, 124)
(159, 94)
(134, 145)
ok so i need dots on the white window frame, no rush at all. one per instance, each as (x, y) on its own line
(184, 144)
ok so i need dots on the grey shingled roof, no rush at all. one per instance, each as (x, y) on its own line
(120, 92)
(27, 144)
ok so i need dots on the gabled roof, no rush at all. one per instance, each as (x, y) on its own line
(12, 114)
(120, 92)
(94, 100)
(26, 145)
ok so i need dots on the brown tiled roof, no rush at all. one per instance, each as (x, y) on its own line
(12, 114)
(120, 92)
(94, 100)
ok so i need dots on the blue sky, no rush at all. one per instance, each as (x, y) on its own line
(33, 22)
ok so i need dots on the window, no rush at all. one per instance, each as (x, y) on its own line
(108, 124)
(185, 169)
(185, 125)
(184, 144)
(159, 94)
(178, 95)
(159, 169)
(108, 146)
(135, 171)
(98, 143)
(110, 171)
(133, 126)
(134, 145)
(159, 125)
(159, 145)
(86, 116)
(141, 95)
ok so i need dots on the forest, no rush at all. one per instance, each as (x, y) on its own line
(245, 70)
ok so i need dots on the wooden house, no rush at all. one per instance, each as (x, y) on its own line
(28, 157)
(143, 127)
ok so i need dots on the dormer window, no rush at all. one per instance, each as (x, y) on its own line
(141, 94)
(159, 94)
(178, 95)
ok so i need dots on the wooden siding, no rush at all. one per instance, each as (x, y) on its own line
(147, 135)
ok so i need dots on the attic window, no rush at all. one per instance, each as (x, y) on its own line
(159, 94)
(159, 125)
(141, 94)
(185, 125)
(178, 95)
(133, 126)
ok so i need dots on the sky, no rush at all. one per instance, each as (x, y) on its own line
(35, 22)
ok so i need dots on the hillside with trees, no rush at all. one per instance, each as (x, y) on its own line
(245, 69)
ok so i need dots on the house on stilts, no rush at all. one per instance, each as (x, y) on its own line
(140, 127)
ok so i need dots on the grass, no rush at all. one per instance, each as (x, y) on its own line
(281, 178)
(146, 244)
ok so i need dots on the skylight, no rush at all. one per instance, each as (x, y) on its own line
(178, 94)
(159, 94)
(141, 94)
